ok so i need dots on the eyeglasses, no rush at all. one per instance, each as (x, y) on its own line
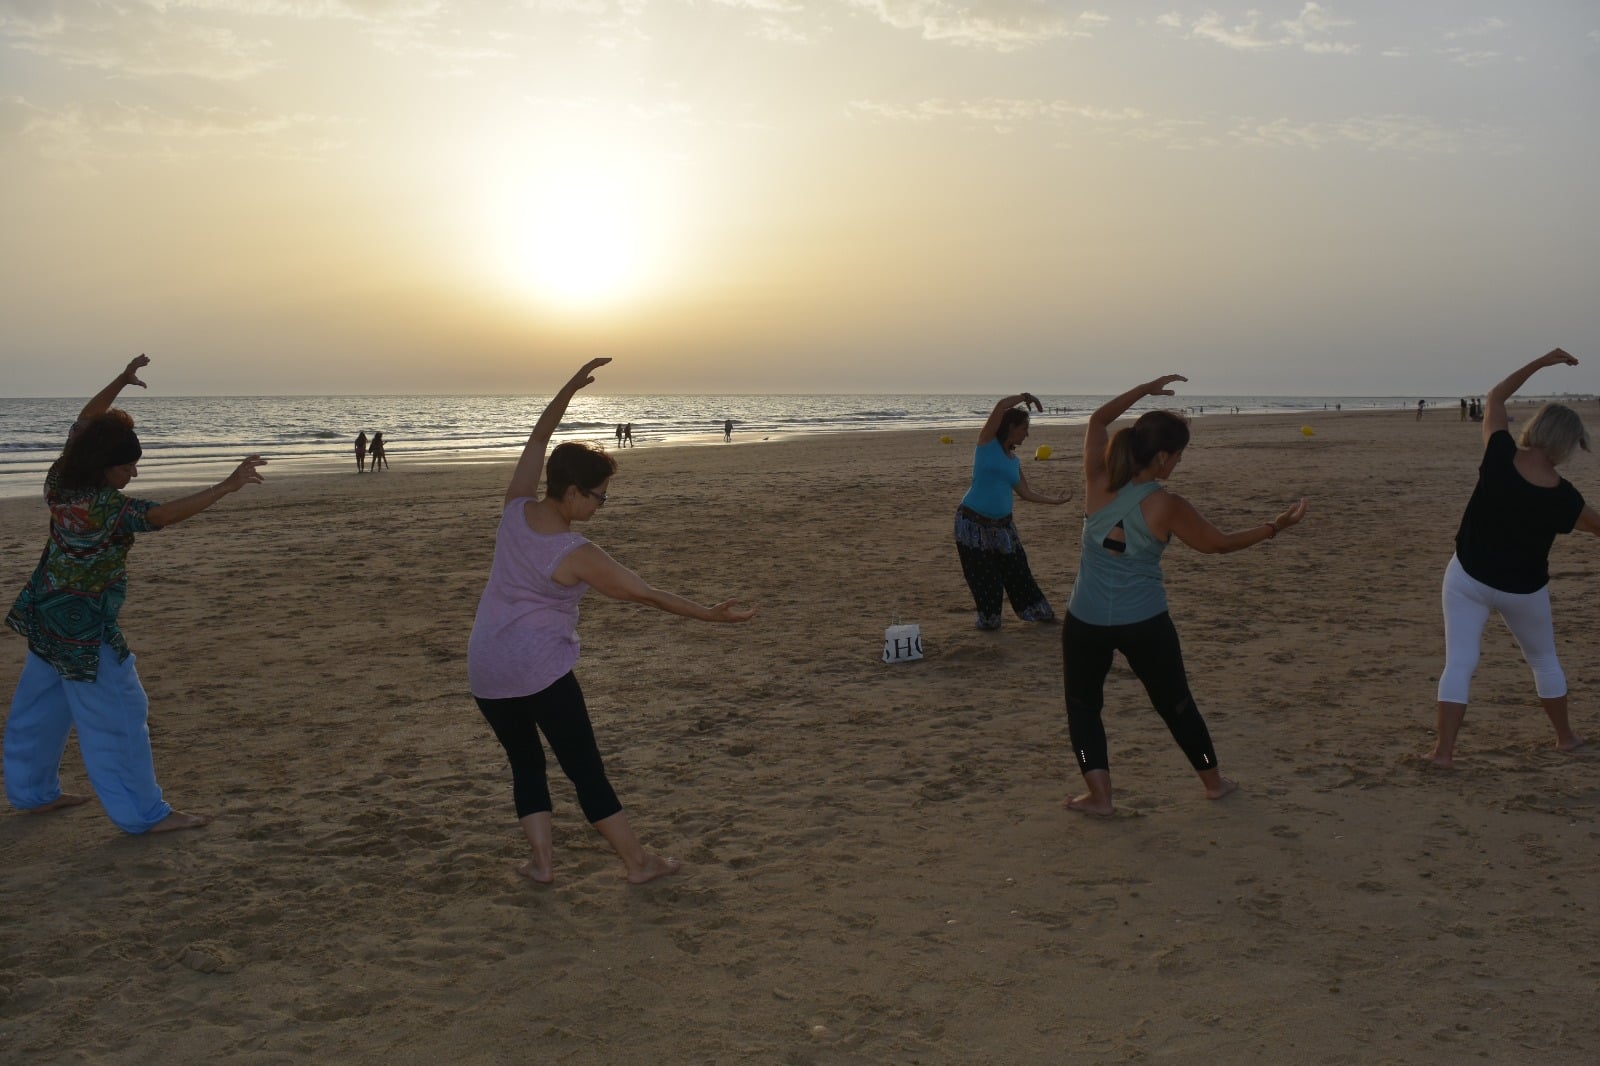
(595, 495)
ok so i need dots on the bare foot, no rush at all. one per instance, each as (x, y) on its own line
(539, 875)
(1442, 762)
(654, 866)
(1572, 743)
(179, 820)
(66, 799)
(1222, 788)
(1087, 804)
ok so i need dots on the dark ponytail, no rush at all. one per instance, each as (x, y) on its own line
(1133, 447)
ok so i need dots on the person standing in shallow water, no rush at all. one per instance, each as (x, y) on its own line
(992, 559)
(79, 671)
(1501, 563)
(361, 452)
(524, 641)
(1119, 600)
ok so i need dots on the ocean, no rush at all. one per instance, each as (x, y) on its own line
(199, 438)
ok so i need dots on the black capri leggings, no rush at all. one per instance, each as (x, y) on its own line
(1152, 650)
(560, 713)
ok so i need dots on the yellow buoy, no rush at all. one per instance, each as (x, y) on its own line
(1308, 431)
(946, 440)
(1043, 452)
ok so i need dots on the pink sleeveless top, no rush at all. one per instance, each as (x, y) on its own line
(525, 637)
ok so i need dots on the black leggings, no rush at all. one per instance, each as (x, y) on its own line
(558, 711)
(1152, 650)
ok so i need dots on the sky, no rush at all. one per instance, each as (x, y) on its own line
(843, 196)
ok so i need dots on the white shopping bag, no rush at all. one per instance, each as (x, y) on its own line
(902, 643)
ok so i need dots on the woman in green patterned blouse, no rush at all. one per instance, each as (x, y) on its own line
(79, 671)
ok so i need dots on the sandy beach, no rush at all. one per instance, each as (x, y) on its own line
(877, 868)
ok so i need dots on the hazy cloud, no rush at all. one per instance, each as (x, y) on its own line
(1309, 31)
(309, 9)
(137, 44)
(994, 111)
(1401, 133)
(1003, 25)
(1478, 27)
(85, 136)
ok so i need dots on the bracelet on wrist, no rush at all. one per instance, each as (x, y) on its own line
(1272, 530)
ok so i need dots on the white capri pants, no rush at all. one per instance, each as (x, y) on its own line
(1467, 602)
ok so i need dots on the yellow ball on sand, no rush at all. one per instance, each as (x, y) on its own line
(1308, 431)
(946, 440)
(1042, 453)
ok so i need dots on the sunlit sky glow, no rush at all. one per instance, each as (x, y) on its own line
(328, 196)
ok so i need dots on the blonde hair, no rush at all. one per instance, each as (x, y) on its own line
(1555, 430)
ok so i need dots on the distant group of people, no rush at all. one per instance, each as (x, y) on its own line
(371, 452)
(1471, 409)
(523, 648)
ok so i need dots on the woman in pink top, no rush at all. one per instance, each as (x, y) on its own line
(525, 637)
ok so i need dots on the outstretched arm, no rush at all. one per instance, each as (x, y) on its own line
(102, 400)
(167, 514)
(1184, 520)
(1494, 407)
(530, 467)
(1095, 437)
(991, 428)
(1027, 492)
(605, 575)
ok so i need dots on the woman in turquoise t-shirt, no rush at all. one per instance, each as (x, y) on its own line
(991, 553)
(1119, 602)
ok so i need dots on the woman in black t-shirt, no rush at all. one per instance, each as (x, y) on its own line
(1502, 554)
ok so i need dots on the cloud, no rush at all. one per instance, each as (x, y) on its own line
(138, 45)
(994, 111)
(131, 42)
(365, 10)
(1471, 57)
(1310, 31)
(1002, 25)
(85, 136)
(1399, 133)
(1478, 27)
(1403, 134)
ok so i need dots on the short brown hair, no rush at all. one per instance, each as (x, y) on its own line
(574, 464)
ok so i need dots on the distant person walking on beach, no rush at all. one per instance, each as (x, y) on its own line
(619, 434)
(1420, 405)
(727, 430)
(380, 457)
(627, 434)
(79, 672)
(992, 559)
(1501, 561)
(1119, 600)
(524, 640)
(361, 452)
(1463, 408)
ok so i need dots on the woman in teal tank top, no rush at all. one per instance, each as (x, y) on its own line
(1119, 601)
(992, 559)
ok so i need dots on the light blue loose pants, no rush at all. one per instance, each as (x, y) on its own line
(110, 714)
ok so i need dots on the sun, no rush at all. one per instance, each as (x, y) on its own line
(579, 236)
